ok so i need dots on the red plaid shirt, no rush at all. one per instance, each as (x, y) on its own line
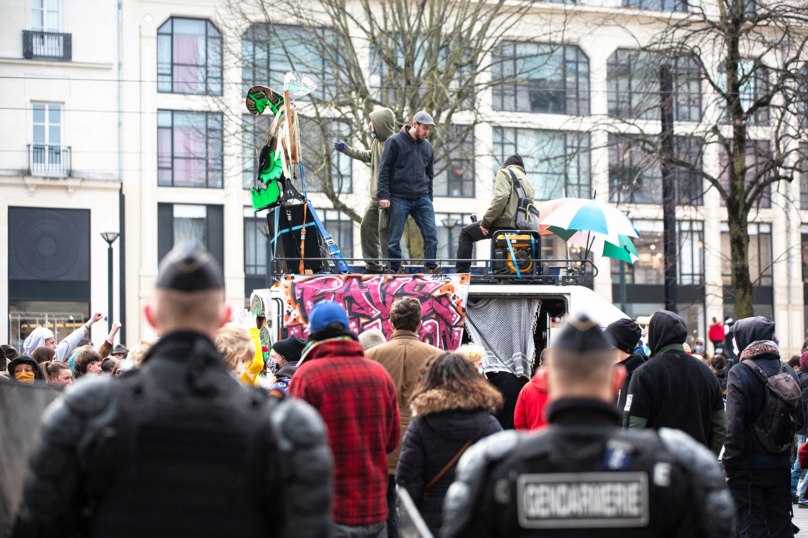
(357, 399)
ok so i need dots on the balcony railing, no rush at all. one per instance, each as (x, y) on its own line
(49, 161)
(39, 45)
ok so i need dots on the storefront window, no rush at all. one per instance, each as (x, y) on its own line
(60, 317)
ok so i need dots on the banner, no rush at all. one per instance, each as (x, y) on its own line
(368, 299)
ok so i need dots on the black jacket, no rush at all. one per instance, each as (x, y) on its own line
(443, 423)
(509, 386)
(803, 376)
(631, 364)
(674, 389)
(177, 440)
(550, 482)
(746, 395)
(722, 380)
(407, 167)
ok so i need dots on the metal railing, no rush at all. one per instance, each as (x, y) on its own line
(556, 272)
(49, 161)
(39, 45)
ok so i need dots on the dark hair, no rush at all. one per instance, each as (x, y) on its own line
(718, 362)
(405, 314)
(85, 359)
(52, 369)
(108, 364)
(794, 361)
(84, 342)
(452, 372)
(335, 326)
(43, 354)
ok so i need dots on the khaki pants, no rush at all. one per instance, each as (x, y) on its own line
(374, 233)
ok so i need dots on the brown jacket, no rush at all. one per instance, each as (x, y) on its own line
(404, 356)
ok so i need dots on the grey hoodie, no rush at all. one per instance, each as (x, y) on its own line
(63, 350)
(384, 124)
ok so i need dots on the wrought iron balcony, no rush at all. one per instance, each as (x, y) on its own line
(38, 45)
(49, 161)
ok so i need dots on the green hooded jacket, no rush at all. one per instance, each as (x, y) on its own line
(384, 123)
(501, 212)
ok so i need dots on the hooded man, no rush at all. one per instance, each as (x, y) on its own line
(501, 213)
(674, 389)
(358, 402)
(757, 478)
(286, 354)
(24, 369)
(42, 336)
(374, 231)
(178, 446)
(584, 475)
(625, 334)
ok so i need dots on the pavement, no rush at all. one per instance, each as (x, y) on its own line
(800, 519)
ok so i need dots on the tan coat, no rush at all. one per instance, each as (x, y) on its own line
(404, 356)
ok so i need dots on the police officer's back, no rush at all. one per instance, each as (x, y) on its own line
(584, 476)
(178, 447)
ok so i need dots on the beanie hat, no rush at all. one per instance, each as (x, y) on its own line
(323, 314)
(582, 335)
(289, 348)
(804, 361)
(624, 334)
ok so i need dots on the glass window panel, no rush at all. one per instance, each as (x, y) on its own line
(39, 134)
(757, 157)
(39, 113)
(53, 20)
(755, 87)
(455, 164)
(54, 134)
(54, 114)
(182, 53)
(52, 4)
(192, 149)
(37, 19)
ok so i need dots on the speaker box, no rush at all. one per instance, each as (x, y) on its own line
(287, 239)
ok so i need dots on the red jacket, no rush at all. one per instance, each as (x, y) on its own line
(529, 413)
(357, 400)
(716, 332)
(802, 454)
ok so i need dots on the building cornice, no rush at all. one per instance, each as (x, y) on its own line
(71, 183)
(45, 63)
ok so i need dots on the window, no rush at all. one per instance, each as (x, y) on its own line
(203, 224)
(541, 78)
(757, 161)
(802, 100)
(635, 175)
(189, 57)
(650, 268)
(268, 52)
(633, 85)
(189, 149)
(754, 87)
(449, 227)
(456, 178)
(803, 168)
(255, 243)
(556, 162)
(760, 254)
(657, 5)
(48, 157)
(255, 130)
(340, 226)
(804, 242)
(45, 15)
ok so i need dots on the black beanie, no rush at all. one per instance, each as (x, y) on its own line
(188, 268)
(580, 334)
(289, 348)
(624, 334)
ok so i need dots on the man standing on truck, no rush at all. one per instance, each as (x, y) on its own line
(501, 213)
(374, 230)
(405, 188)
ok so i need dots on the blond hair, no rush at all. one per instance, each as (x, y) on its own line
(472, 352)
(140, 350)
(233, 342)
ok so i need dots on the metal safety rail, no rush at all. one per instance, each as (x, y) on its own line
(557, 272)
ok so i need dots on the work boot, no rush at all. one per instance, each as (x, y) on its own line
(433, 271)
(400, 271)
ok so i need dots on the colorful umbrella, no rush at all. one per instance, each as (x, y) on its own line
(548, 206)
(590, 216)
(619, 247)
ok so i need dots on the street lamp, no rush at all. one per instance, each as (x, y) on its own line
(110, 238)
(265, 230)
(449, 223)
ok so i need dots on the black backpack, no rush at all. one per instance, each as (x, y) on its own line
(527, 216)
(781, 415)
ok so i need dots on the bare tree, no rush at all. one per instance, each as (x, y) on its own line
(738, 81)
(435, 55)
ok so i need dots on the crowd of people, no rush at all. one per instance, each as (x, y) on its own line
(194, 431)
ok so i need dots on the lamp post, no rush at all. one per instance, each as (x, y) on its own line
(449, 223)
(110, 238)
(265, 230)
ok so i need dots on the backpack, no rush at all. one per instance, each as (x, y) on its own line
(780, 417)
(527, 216)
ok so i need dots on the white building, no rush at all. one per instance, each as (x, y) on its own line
(180, 82)
(59, 163)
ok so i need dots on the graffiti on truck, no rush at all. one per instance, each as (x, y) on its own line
(368, 299)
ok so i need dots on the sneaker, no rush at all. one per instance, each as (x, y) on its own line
(433, 270)
(803, 504)
(795, 498)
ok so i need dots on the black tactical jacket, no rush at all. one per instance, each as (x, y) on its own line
(177, 448)
(584, 476)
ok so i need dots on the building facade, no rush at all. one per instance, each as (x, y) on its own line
(188, 150)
